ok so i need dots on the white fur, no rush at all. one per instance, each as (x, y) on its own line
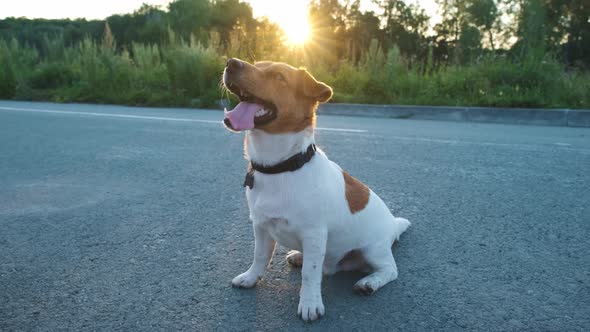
(306, 210)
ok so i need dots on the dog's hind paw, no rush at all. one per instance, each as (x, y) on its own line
(369, 284)
(364, 289)
(295, 258)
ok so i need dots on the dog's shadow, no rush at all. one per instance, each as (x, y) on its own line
(335, 288)
(277, 295)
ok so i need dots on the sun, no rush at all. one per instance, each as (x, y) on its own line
(291, 17)
(297, 32)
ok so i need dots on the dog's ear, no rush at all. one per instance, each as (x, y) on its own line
(313, 89)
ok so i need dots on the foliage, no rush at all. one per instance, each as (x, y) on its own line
(184, 74)
(493, 81)
(529, 53)
(16, 65)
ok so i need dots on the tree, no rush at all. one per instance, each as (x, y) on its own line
(405, 27)
(362, 28)
(464, 24)
(484, 15)
(190, 18)
(577, 47)
(226, 15)
(531, 32)
(328, 23)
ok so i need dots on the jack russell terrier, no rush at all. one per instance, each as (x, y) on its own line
(296, 195)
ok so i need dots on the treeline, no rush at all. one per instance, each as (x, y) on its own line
(531, 53)
(207, 22)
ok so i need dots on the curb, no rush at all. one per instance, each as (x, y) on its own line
(519, 116)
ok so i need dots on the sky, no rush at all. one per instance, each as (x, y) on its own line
(92, 9)
(287, 13)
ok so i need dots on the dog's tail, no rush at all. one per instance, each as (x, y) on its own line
(400, 225)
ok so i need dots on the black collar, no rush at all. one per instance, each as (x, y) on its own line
(294, 163)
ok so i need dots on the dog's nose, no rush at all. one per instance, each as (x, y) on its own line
(234, 64)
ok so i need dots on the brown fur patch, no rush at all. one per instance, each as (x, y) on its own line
(357, 194)
(294, 113)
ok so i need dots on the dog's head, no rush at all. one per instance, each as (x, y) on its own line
(274, 97)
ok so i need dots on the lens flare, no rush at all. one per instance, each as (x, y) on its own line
(297, 31)
(291, 17)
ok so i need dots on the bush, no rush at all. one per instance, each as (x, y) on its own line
(194, 73)
(188, 74)
(7, 76)
(16, 66)
(51, 76)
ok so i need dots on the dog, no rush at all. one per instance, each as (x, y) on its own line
(298, 197)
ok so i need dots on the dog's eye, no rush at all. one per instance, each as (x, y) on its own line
(279, 77)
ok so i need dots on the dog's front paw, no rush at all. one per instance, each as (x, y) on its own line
(245, 280)
(311, 308)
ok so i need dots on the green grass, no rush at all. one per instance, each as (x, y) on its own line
(180, 75)
(492, 81)
(187, 74)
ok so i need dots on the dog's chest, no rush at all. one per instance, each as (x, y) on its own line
(272, 212)
(284, 232)
(278, 204)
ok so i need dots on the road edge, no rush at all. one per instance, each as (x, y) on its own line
(519, 116)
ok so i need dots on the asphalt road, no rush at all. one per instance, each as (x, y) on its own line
(137, 221)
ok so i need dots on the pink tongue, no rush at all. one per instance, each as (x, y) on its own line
(242, 116)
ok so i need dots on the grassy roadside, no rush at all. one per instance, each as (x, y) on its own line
(187, 74)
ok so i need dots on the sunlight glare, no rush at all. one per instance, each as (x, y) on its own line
(297, 31)
(291, 16)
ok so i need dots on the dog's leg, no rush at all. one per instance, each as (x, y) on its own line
(311, 306)
(380, 258)
(264, 247)
(295, 258)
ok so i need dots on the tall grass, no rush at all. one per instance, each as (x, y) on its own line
(194, 72)
(182, 74)
(186, 73)
(16, 66)
(491, 81)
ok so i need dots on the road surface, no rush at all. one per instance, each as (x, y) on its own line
(134, 219)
